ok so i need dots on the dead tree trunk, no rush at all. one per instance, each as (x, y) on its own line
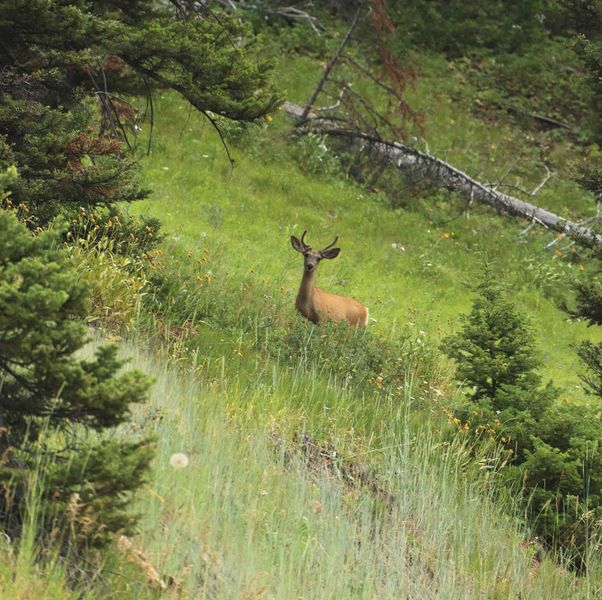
(446, 175)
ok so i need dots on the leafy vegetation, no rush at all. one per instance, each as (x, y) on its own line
(294, 459)
(51, 400)
(62, 62)
(552, 449)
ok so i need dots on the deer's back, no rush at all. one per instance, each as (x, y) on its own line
(339, 308)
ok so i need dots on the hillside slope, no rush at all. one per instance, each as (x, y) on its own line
(413, 266)
(260, 514)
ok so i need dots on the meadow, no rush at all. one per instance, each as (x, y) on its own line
(414, 261)
(259, 513)
(302, 483)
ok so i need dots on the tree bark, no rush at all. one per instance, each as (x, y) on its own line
(446, 175)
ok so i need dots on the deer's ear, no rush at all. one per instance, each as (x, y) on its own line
(297, 245)
(332, 253)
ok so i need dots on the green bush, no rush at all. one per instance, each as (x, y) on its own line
(114, 254)
(315, 157)
(115, 230)
(54, 407)
(553, 449)
(116, 286)
(546, 80)
(355, 357)
(456, 28)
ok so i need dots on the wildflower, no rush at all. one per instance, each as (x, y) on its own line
(268, 118)
(179, 460)
(446, 235)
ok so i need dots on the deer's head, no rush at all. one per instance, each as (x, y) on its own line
(313, 257)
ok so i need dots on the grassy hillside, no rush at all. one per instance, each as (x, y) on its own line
(301, 484)
(303, 462)
(260, 514)
(413, 265)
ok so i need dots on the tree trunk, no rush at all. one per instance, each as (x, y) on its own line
(447, 176)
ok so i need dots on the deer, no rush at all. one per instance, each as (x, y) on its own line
(316, 304)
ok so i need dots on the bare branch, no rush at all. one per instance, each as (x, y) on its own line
(292, 12)
(217, 128)
(149, 97)
(331, 63)
(452, 178)
(338, 101)
(543, 181)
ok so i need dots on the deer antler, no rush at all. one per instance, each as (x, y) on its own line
(303, 239)
(330, 245)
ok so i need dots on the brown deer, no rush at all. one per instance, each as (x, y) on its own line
(316, 304)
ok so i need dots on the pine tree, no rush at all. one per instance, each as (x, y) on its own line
(67, 69)
(554, 448)
(588, 305)
(497, 366)
(52, 402)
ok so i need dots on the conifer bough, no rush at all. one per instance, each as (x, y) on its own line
(60, 61)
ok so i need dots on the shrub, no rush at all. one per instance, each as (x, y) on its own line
(547, 81)
(54, 407)
(115, 230)
(553, 450)
(459, 28)
(116, 285)
(355, 357)
(314, 156)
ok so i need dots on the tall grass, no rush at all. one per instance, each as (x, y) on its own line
(412, 265)
(257, 515)
(29, 571)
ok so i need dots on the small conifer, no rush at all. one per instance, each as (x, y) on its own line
(554, 447)
(54, 405)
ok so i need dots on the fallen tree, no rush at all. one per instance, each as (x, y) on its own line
(442, 173)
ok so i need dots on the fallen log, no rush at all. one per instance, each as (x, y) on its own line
(444, 174)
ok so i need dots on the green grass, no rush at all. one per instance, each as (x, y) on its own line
(28, 572)
(238, 222)
(250, 518)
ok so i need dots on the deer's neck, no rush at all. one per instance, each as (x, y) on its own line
(305, 303)
(308, 283)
